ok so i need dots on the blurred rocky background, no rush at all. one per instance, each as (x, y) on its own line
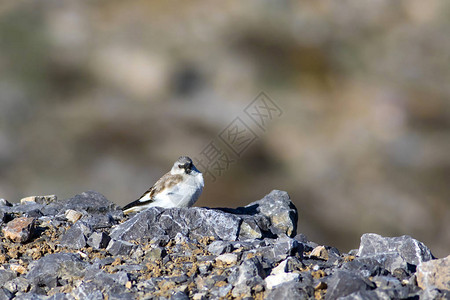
(105, 95)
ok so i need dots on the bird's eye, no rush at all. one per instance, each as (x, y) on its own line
(180, 166)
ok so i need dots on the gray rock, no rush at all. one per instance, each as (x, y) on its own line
(274, 215)
(334, 256)
(248, 244)
(91, 202)
(148, 285)
(31, 209)
(179, 296)
(294, 264)
(194, 223)
(386, 282)
(400, 292)
(270, 255)
(411, 250)
(161, 240)
(3, 217)
(205, 284)
(5, 294)
(31, 296)
(117, 247)
(353, 252)
(220, 247)
(378, 264)
(155, 253)
(252, 228)
(391, 287)
(52, 268)
(45, 199)
(100, 221)
(400, 274)
(129, 268)
(18, 284)
(343, 283)
(433, 294)
(76, 236)
(106, 282)
(5, 276)
(288, 291)
(286, 246)
(222, 291)
(98, 240)
(278, 207)
(177, 279)
(307, 282)
(286, 265)
(116, 294)
(88, 290)
(4, 202)
(204, 268)
(305, 242)
(105, 261)
(249, 274)
(61, 296)
(366, 295)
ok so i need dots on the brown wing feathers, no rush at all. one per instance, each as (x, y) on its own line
(167, 181)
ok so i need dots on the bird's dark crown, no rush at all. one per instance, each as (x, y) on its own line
(184, 159)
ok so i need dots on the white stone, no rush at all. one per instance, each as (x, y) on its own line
(180, 238)
(199, 296)
(73, 215)
(30, 199)
(274, 280)
(281, 268)
(250, 232)
(227, 258)
(434, 274)
(319, 252)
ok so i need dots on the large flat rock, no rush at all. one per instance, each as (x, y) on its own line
(411, 250)
(273, 215)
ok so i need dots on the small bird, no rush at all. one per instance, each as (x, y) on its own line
(180, 187)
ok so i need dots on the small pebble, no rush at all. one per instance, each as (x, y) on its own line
(73, 215)
(19, 229)
(30, 199)
(17, 268)
(227, 258)
(319, 252)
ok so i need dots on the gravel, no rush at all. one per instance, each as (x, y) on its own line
(86, 248)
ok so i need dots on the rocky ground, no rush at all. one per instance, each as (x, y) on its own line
(85, 248)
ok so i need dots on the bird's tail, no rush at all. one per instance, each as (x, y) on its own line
(134, 206)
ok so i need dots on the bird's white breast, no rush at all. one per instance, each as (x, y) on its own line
(183, 194)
